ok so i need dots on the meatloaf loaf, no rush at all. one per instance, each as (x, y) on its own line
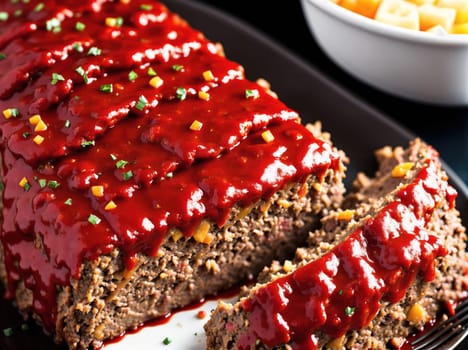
(142, 171)
(383, 266)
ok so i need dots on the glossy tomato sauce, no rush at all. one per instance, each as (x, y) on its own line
(342, 290)
(120, 122)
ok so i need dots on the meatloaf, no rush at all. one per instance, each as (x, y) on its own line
(382, 267)
(142, 171)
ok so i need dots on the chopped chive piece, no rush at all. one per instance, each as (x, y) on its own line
(39, 7)
(146, 7)
(106, 88)
(169, 175)
(340, 292)
(177, 67)
(53, 184)
(142, 102)
(24, 327)
(42, 183)
(181, 93)
(69, 201)
(53, 25)
(78, 47)
(251, 93)
(26, 134)
(151, 72)
(27, 187)
(132, 76)
(121, 164)
(2, 56)
(67, 123)
(80, 26)
(8, 332)
(93, 219)
(87, 143)
(83, 74)
(3, 16)
(113, 157)
(167, 341)
(56, 78)
(127, 175)
(18, 13)
(94, 51)
(349, 311)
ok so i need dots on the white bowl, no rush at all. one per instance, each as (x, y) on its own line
(415, 65)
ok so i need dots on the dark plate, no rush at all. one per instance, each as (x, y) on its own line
(355, 127)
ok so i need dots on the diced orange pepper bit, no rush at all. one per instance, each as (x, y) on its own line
(110, 205)
(267, 136)
(38, 139)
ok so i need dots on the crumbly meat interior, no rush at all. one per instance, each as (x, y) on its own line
(108, 299)
(394, 322)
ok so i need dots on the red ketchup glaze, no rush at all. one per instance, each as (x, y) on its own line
(342, 290)
(143, 127)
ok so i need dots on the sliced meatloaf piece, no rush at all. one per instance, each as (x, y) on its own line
(141, 170)
(381, 268)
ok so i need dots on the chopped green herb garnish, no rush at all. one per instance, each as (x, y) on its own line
(53, 184)
(3, 16)
(169, 175)
(146, 7)
(87, 143)
(340, 292)
(132, 76)
(83, 74)
(53, 25)
(127, 175)
(119, 21)
(142, 102)
(181, 93)
(39, 7)
(56, 78)
(26, 134)
(2, 56)
(151, 72)
(27, 187)
(69, 201)
(93, 219)
(177, 67)
(24, 327)
(94, 51)
(80, 26)
(78, 47)
(251, 93)
(349, 311)
(113, 157)
(42, 183)
(67, 123)
(8, 332)
(106, 88)
(167, 341)
(121, 164)
(18, 13)
(14, 112)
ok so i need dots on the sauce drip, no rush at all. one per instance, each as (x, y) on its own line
(121, 123)
(343, 289)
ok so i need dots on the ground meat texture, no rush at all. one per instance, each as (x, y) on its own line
(423, 301)
(107, 300)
